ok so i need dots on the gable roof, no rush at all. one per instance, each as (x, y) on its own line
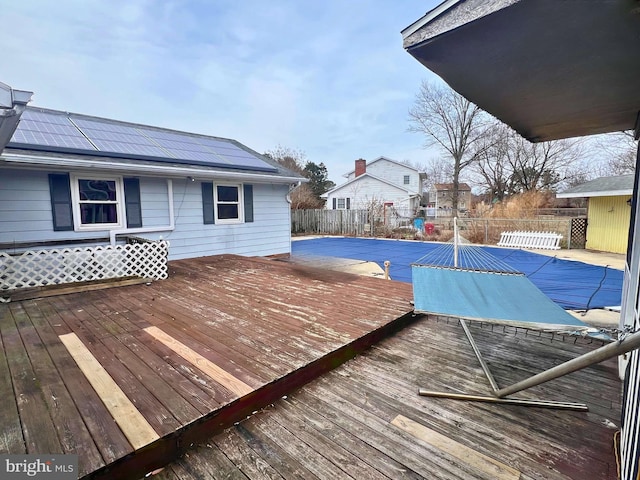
(61, 137)
(388, 160)
(365, 175)
(601, 187)
(449, 186)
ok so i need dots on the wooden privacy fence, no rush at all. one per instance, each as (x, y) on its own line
(50, 267)
(486, 231)
(330, 222)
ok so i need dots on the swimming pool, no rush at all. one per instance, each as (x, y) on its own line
(572, 285)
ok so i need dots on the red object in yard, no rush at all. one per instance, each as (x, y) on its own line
(429, 228)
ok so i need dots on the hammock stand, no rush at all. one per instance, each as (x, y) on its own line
(476, 285)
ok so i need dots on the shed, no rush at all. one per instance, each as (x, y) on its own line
(609, 211)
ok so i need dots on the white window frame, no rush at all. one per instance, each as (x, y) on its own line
(75, 201)
(240, 202)
(344, 203)
(406, 179)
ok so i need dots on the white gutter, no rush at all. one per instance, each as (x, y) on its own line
(601, 193)
(158, 170)
(427, 18)
(168, 228)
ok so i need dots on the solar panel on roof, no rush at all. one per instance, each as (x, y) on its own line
(46, 117)
(31, 137)
(130, 148)
(62, 131)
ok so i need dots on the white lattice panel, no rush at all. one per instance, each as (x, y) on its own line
(49, 267)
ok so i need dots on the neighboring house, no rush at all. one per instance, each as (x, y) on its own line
(68, 179)
(441, 196)
(609, 211)
(380, 182)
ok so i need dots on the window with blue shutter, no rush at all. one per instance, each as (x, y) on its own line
(132, 202)
(60, 191)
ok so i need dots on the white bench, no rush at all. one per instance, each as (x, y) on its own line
(541, 240)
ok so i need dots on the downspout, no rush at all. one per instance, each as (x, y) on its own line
(292, 187)
(168, 228)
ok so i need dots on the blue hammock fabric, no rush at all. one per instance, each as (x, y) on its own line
(505, 298)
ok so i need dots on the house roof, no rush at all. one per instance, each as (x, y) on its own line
(548, 69)
(59, 138)
(367, 175)
(601, 187)
(388, 160)
(12, 104)
(449, 186)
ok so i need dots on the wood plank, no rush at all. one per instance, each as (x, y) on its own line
(286, 465)
(310, 457)
(135, 427)
(247, 459)
(37, 426)
(297, 423)
(108, 437)
(208, 462)
(11, 438)
(66, 289)
(493, 469)
(182, 410)
(211, 369)
(323, 420)
(72, 432)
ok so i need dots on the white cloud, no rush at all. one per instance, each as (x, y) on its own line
(329, 78)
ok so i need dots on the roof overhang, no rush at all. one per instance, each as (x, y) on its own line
(12, 104)
(550, 69)
(140, 168)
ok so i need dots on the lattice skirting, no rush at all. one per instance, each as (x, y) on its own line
(49, 267)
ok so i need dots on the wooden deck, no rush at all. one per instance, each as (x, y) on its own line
(128, 378)
(365, 419)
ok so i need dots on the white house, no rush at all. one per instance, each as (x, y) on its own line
(380, 182)
(68, 179)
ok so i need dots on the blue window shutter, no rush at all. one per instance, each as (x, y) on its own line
(248, 203)
(60, 191)
(132, 202)
(348, 203)
(334, 203)
(207, 203)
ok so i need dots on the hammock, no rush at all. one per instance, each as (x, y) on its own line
(467, 282)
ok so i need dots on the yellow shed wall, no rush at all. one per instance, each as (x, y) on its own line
(608, 224)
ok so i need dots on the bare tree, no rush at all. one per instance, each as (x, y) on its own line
(620, 148)
(510, 164)
(453, 123)
(303, 198)
(290, 158)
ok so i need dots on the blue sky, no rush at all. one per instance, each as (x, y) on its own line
(328, 78)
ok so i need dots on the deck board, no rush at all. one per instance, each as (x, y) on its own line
(350, 413)
(272, 325)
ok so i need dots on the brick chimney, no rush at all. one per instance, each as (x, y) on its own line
(361, 166)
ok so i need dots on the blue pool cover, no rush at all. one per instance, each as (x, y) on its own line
(572, 285)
